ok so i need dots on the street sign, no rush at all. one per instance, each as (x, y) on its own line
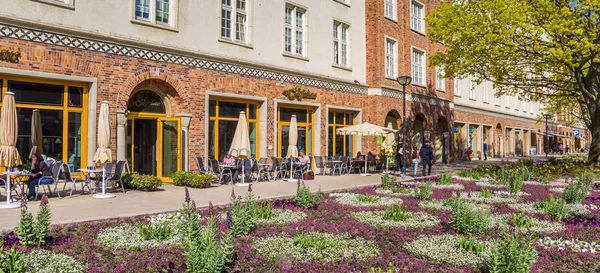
(576, 132)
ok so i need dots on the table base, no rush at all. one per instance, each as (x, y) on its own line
(104, 195)
(291, 180)
(12, 205)
(365, 174)
(242, 184)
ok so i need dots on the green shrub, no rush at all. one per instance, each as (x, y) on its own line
(576, 193)
(155, 232)
(525, 163)
(207, 253)
(445, 179)
(503, 174)
(424, 191)
(514, 254)
(367, 198)
(193, 180)
(468, 221)
(265, 210)
(12, 262)
(33, 233)
(388, 181)
(465, 173)
(526, 173)
(143, 181)
(515, 182)
(395, 213)
(544, 180)
(304, 199)
(379, 270)
(401, 190)
(555, 207)
(471, 244)
(519, 220)
(243, 215)
(486, 193)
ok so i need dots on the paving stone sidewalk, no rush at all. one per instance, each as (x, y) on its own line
(85, 208)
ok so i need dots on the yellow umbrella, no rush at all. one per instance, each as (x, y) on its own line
(240, 146)
(9, 155)
(388, 143)
(103, 153)
(36, 133)
(364, 129)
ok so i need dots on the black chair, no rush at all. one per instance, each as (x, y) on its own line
(319, 164)
(56, 172)
(220, 173)
(200, 165)
(69, 178)
(118, 175)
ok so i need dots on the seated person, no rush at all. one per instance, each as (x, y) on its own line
(370, 158)
(304, 161)
(229, 160)
(41, 174)
(359, 156)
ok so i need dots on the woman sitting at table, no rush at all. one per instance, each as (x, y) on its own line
(359, 156)
(41, 174)
(229, 160)
(304, 161)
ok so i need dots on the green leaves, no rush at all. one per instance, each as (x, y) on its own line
(33, 233)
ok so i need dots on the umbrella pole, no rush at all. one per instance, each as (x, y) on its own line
(366, 169)
(103, 195)
(292, 172)
(9, 204)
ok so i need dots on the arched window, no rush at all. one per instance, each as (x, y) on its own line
(146, 101)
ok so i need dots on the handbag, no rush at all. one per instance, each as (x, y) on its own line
(308, 175)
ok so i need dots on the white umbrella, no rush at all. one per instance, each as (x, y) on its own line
(292, 151)
(364, 129)
(9, 155)
(103, 153)
(240, 146)
(36, 133)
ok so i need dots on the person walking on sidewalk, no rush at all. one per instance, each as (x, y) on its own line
(427, 157)
(485, 151)
(414, 155)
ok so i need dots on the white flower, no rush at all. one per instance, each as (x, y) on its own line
(352, 199)
(574, 245)
(496, 198)
(43, 261)
(537, 225)
(439, 205)
(414, 220)
(281, 217)
(444, 249)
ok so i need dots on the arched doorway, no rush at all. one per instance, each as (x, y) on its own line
(418, 136)
(392, 117)
(441, 143)
(153, 140)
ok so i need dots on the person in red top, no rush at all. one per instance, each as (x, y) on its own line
(469, 153)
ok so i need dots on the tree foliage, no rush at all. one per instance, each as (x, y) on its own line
(544, 50)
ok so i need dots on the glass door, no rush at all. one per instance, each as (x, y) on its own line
(169, 142)
(141, 138)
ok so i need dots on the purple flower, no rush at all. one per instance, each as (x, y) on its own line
(250, 187)
(44, 201)
(187, 196)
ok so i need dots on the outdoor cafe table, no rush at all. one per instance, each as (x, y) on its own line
(87, 173)
(333, 162)
(361, 163)
(19, 177)
(231, 168)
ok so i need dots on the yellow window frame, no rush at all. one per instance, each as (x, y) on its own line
(216, 118)
(337, 125)
(65, 108)
(309, 116)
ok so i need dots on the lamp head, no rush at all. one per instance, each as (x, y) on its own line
(404, 80)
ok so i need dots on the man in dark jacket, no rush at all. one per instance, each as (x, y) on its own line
(426, 156)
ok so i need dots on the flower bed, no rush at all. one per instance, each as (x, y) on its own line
(371, 201)
(281, 217)
(444, 249)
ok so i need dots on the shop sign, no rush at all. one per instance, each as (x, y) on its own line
(297, 93)
(11, 56)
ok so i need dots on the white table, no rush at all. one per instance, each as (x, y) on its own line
(102, 195)
(9, 202)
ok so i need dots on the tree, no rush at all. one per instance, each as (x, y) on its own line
(542, 50)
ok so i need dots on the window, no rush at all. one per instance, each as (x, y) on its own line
(486, 91)
(390, 9)
(234, 19)
(457, 87)
(158, 12)
(60, 3)
(390, 58)
(471, 88)
(418, 67)
(340, 44)
(417, 14)
(440, 81)
(294, 30)
(223, 118)
(339, 144)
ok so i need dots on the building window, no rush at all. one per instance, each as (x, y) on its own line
(305, 123)
(390, 58)
(224, 116)
(486, 97)
(440, 81)
(418, 67)
(390, 9)
(457, 87)
(417, 11)
(339, 144)
(60, 3)
(471, 88)
(63, 113)
(340, 44)
(294, 30)
(234, 19)
(155, 11)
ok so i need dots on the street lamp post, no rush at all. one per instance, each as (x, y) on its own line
(546, 138)
(404, 81)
